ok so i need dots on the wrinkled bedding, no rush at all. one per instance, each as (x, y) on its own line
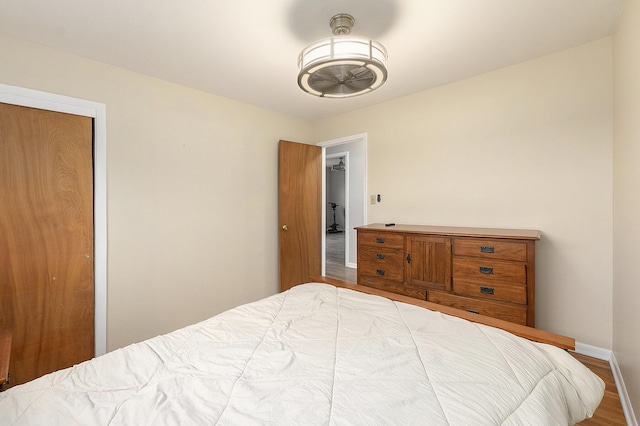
(317, 354)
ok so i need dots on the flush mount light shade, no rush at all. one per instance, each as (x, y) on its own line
(342, 66)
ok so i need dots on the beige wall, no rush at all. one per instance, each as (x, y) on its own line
(528, 146)
(192, 200)
(626, 200)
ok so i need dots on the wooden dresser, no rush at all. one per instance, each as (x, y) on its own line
(481, 270)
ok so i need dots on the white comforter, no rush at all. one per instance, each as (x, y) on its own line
(317, 354)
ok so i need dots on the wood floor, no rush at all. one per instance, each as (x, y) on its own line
(335, 259)
(610, 410)
(608, 413)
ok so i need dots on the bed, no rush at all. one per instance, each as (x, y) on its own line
(318, 354)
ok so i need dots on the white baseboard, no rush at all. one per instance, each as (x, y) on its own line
(607, 355)
(593, 351)
(622, 391)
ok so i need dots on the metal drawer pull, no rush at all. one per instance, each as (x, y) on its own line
(486, 270)
(473, 312)
(486, 290)
(380, 256)
(487, 249)
(380, 272)
(380, 240)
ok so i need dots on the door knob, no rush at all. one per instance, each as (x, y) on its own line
(285, 228)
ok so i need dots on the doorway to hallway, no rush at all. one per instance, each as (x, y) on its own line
(344, 185)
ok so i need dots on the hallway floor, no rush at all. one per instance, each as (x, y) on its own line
(335, 259)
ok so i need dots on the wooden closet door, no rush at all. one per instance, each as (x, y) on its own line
(46, 239)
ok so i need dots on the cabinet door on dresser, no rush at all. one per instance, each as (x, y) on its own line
(429, 262)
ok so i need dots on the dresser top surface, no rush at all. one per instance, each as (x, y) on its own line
(519, 234)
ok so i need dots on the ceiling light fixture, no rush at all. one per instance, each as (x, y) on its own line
(344, 65)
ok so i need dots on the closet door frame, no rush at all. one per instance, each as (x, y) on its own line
(53, 102)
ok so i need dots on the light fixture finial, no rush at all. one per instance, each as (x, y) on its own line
(341, 24)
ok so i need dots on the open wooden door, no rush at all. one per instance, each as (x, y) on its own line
(46, 239)
(299, 212)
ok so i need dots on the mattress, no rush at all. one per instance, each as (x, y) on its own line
(317, 354)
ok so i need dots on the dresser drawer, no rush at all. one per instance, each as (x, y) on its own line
(393, 287)
(381, 256)
(503, 311)
(490, 249)
(388, 271)
(500, 291)
(489, 271)
(381, 239)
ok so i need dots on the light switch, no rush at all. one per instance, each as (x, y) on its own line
(373, 199)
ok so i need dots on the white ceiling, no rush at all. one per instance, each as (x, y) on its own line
(247, 49)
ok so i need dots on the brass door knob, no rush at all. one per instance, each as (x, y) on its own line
(285, 228)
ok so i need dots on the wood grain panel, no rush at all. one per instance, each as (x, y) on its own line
(430, 265)
(506, 292)
(5, 353)
(394, 287)
(381, 256)
(299, 212)
(503, 311)
(386, 240)
(46, 239)
(488, 271)
(507, 234)
(490, 249)
(387, 271)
